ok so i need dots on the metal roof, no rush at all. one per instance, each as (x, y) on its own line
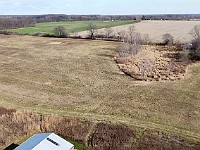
(45, 141)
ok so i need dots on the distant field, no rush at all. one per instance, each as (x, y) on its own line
(155, 29)
(178, 29)
(80, 78)
(71, 27)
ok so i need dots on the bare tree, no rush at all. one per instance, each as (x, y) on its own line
(131, 32)
(123, 50)
(122, 35)
(134, 49)
(195, 32)
(92, 30)
(60, 31)
(185, 54)
(168, 39)
(146, 39)
(131, 43)
(108, 32)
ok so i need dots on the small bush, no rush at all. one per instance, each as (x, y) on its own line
(60, 32)
(168, 39)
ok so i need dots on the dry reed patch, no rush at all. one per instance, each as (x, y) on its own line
(154, 63)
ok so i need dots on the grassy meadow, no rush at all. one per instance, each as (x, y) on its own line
(71, 27)
(80, 78)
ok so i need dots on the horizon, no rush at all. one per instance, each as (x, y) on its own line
(97, 14)
(103, 7)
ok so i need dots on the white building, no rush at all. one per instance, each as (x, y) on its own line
(45, 141)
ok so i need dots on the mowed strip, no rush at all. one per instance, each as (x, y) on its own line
(67, 76)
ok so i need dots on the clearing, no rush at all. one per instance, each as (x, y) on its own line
(80, 78)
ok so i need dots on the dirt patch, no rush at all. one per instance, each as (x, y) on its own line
(55, 43)
(154, 63)
(4, 111)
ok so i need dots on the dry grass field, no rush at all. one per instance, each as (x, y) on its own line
(80, 78)
(178, 29)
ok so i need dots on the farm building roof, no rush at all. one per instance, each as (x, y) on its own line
(45, 141)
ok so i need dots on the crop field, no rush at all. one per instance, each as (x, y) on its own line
(156, 29)
(178, 29)
(80, 78)
(71, 27)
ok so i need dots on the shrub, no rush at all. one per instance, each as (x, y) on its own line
(60, 32)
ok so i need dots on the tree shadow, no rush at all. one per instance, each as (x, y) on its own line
(11, 147)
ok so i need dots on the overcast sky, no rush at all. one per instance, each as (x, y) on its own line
(103, 7)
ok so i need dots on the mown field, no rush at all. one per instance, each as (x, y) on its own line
(80, 78)
(71, 27)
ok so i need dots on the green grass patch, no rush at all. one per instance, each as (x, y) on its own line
(71, 27)
(77, 145)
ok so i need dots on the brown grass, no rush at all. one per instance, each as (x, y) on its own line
(21, 125)
(80, 78)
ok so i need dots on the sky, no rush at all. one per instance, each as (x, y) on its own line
(102, 7)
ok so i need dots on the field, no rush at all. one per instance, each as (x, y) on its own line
(178, 29)
(155, 29)
(71, 27)
(80, 78)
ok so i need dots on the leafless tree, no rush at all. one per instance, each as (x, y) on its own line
(168, 39)
(108, 32)
(123, 50)
(134, 49)
(195, 32)
(131, 32)
(122, 35)
(185, 54)
(92, 29)
(146, 39)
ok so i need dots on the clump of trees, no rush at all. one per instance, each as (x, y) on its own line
(131, 42)
(60, 31)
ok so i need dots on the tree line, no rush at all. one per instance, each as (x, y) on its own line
(12, 21)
